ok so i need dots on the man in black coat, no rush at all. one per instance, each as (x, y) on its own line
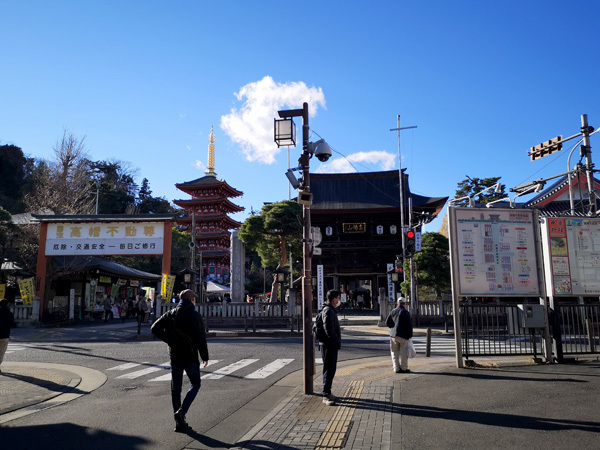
(330, 346)
(182, 329)
(401, 331)
(7, 320)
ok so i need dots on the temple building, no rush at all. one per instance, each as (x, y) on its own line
(358, 215)
(207, 212)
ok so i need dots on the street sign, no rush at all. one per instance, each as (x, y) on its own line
(317, 251)
(418, 241)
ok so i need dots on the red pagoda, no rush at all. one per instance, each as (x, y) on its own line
(208, 209)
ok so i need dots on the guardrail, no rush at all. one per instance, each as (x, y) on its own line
(23, 313)
(579, 328)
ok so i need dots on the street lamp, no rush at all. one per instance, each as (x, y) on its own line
(285, 134)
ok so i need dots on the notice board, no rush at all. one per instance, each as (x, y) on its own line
(572, 255)
(494, 252)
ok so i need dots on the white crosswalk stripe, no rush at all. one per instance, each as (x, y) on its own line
(167, 377)
(146, 371)
(269, 369)
(14, 348)
(126, 366)
(228, 370)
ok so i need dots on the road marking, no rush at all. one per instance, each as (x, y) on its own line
(227, 370)
(167, 377)
(140, 373)
(126, 366)
(269, 369)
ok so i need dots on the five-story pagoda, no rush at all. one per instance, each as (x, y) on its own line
(210, 205)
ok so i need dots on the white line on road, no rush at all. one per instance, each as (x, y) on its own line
(269, 369)
(227, 370)
(141, 373)
(126, 366)
(167, 377)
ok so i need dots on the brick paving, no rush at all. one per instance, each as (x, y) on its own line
(361, 418)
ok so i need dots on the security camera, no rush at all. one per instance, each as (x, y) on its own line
(320, 149)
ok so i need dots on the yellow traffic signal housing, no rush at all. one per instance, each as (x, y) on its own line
(546, 148)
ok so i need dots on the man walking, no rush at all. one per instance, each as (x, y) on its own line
(7, 320)
(331, 344)
(107, 309)
(401, 330)
(182, 329)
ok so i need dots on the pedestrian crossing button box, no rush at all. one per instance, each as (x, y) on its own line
(532, 316)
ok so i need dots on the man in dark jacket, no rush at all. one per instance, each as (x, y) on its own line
(401, 330)
(182, 329)
(330, 347)
(7, 320)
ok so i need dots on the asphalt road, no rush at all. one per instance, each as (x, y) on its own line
(133, 407)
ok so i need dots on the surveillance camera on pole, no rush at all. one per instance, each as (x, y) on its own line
(320, 149)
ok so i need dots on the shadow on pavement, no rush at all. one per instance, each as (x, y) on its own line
(43, 383)
(67, 436)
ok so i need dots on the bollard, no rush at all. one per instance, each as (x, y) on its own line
(590, 333)
(428, 346)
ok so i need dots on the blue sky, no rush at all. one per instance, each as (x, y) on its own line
(144, 81)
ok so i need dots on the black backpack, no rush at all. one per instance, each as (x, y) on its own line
(319, 329)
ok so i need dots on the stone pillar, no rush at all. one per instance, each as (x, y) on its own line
(237, 268)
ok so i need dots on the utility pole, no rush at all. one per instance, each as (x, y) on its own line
(401, 179)
(586, 149)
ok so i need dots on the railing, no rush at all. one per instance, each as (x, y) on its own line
(495, 330)
(579, 328)
(241, 309)
(23, 313)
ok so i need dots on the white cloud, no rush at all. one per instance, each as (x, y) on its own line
(188, 147)
(381, 159)
(199, 165)
(252, 125)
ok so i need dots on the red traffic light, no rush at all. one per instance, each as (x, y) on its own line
(410, 234)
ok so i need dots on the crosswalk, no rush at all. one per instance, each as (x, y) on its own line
(439, 344)
(143, 369)
(12, 348)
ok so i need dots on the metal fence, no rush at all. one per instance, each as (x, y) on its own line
(239, 309)
(497, 330)
(579, 328)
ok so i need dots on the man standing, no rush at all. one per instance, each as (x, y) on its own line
(401, 330)
(7, 320)
(107, 309)
(182, 329)
(331, 344)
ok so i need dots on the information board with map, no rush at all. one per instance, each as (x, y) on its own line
(572, 250)
(494, 252)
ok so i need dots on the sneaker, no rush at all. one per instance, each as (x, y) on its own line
(329, 400)
(181, 425)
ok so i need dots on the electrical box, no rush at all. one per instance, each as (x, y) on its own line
(532, 316)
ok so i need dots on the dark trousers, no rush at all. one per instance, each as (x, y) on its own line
(192, 369)
(330, 356)
(107, 314)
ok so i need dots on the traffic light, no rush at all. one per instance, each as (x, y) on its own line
(546, 148)
(409, 242)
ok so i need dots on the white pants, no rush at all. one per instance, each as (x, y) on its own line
(399, 349)
(3, 347)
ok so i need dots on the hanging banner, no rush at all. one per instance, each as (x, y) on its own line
(320, 286)
(2, 291)
(391, 285)
(27, 290)
(166, 287)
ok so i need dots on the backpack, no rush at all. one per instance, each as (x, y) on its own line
(319, 329)
(166, 330)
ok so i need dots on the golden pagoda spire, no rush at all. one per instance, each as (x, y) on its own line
(211, 153)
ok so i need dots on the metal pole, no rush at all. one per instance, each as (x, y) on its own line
(97, 195)
(588, 165)
(401, 186)
(308, 350)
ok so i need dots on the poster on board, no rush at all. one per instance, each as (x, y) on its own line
(494, 252)
(571, 247)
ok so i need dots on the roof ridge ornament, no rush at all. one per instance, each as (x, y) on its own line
(211, 154)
